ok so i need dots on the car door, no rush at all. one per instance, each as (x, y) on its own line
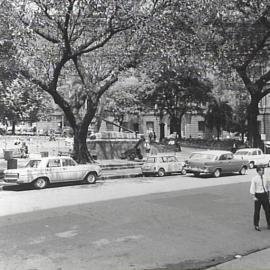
(224, 163)
(234, 165)
(254, 156)
(173, 164)
(163, 163)
(54, 170)
(70, 172)
(261, 160)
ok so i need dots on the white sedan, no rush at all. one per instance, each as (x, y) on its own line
(42, 171)
(255, 156)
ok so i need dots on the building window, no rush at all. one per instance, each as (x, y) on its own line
(109, 126)
(136, 127)
(150, 125)
(201, 126)
(259, 125)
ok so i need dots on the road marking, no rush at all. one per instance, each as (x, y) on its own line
(67, 234)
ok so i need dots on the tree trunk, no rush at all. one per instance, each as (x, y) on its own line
(13, 127)
(80, 150)
(177, 126)
(218, 131)
(253, 132)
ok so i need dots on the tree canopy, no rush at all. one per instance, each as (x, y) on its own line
(177, 90)
(236, 37)
(86, 41)
(219, 115)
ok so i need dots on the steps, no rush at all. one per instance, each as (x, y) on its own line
(119, 166)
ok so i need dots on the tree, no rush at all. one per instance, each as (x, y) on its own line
(237, 35)
(240, 119)
(123, 99)
(93, 41)
(19, 102)
(177, 90)
(219, 115)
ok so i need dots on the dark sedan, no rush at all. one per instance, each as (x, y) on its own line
(215, 163)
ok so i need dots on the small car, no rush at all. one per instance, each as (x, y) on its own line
(162, 164)
(42, 171)
(215, 162)
(255, 156)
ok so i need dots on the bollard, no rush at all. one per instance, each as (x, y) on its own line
(12, 163)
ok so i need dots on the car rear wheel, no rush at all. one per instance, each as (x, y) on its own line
(40, 183)
(269, 163)
(161, 172)
(217, 173)
(243, 170)
(251, 165)
(90, 178)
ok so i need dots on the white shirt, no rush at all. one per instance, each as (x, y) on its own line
(257, 185)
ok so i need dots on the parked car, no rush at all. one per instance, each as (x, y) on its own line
(163, 164)
(255, 156)
(215, 163)
(42, 171)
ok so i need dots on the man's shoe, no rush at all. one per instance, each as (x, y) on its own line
(257, 228)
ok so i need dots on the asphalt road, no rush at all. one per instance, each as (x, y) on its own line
(185, 227)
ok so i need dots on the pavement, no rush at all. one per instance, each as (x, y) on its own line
(116, 169)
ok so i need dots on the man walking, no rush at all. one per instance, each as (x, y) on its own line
(259, 188)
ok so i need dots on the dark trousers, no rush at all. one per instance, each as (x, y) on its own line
(262, 201)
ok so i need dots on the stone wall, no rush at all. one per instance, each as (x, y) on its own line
(110, 148)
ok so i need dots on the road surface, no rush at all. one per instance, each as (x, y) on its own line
(175, 222)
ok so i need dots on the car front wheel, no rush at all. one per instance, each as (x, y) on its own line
(217, 173)
(91, 178)
(243, 171)
(161, 172)
(40, 183)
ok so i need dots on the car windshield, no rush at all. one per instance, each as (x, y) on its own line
(241, 153)
(203, 156)
(33, 164)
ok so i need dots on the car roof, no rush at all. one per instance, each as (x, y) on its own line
(161, 155)
(212, 152)
(50, 157)
(248, 149)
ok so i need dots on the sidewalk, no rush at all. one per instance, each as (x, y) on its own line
(257, 260)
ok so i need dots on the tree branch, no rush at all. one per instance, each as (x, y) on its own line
(255, 51)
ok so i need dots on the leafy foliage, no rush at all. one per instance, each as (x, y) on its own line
(219, 115)
(19, 102)
(240, 118)
(236, 38)
(177, 90)
(87, 43)
(123, 99)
